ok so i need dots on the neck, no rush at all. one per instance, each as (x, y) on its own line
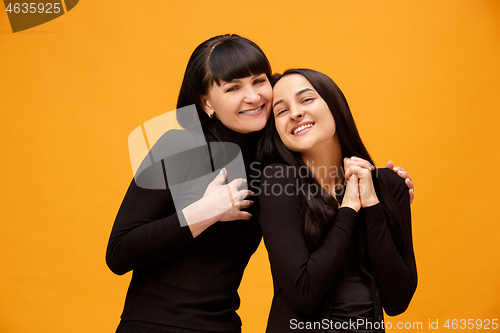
(244, 140)
(325, 162)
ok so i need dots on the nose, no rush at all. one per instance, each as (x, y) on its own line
(296, 113)
(252, 96)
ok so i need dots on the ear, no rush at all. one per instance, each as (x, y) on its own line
(206, 105)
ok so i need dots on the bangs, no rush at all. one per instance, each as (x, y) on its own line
(237, 59)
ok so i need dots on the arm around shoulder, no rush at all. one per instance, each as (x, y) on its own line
(147, 228)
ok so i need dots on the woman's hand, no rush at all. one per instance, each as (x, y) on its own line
(348, 161)
(219, 203)
(351, 197)
(403, 174)
(367, 194)
(227, 200)
(367, 165)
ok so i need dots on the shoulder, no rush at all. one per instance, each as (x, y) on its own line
(177, 141)
(278, 172)
(394, 182)
(281, 183)
(175, 148)
(280, 189)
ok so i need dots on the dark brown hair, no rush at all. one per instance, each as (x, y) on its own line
(225, 57)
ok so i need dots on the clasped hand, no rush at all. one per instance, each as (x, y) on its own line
(360, 192)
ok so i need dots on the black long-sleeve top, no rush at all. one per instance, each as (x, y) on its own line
(178, 280)
(304, 282)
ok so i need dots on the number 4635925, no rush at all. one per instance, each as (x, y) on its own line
(48, 8)
(471, 324)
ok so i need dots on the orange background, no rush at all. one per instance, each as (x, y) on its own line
(422, 78)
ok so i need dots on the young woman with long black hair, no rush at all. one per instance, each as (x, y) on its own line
(339, 255)
(185, 278)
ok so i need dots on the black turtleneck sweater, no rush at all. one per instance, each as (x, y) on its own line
(181, 283)
(357, 272)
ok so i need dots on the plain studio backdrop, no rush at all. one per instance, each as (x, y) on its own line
(422, 79)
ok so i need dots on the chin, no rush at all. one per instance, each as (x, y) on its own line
(255, 128)
(256, 124)
(300, 148)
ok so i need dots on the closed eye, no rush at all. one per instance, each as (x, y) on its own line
(307, 99)
(281, 111)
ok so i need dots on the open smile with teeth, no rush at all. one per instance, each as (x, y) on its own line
(301, 128)
(253, 111)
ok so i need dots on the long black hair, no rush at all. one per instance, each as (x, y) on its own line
(321, 208)
(225, 57)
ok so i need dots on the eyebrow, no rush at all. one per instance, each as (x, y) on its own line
(239, 81)
(296, 94)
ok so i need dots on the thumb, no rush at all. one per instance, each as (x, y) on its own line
(390, 164)
(219, 180)
(352, 184)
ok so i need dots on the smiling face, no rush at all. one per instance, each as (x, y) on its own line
(302, 118)
(243, 105)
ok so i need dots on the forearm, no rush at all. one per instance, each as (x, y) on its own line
(146, 230)
(146, 244)
(305, 277)
(196, 218)
(394, 272)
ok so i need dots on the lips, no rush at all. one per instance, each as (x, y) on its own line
(299, 128)
(253, 111)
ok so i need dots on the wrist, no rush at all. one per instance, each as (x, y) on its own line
(369, 202)
(197, 213)
(350, 205)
